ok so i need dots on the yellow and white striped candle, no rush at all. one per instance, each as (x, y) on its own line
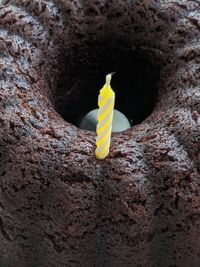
(106, 103)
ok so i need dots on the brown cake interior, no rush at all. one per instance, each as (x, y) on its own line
(84, 71)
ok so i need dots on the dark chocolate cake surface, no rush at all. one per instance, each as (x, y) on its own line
(59, 206)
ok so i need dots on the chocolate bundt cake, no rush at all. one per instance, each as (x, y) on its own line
(59, 205)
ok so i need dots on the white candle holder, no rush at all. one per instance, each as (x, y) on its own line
(120, 122)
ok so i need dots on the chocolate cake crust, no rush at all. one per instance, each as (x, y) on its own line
(59, 206)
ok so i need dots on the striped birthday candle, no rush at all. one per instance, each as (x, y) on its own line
(106, 101)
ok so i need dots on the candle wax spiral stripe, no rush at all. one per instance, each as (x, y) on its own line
(106, 103)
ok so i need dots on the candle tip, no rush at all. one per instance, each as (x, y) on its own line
(109, 77)
(112, 73)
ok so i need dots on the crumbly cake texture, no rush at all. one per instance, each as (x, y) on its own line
(59, 206)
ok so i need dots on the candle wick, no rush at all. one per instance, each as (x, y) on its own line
(109, 77)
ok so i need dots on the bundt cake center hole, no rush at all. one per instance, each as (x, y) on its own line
(83, 75)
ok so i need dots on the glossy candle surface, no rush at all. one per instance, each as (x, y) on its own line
(106, 103)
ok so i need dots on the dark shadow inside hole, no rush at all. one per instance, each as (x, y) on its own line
(83, 75)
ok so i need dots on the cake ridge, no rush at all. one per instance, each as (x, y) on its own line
(22, 18)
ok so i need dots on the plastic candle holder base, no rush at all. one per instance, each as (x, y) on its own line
(120, 122)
